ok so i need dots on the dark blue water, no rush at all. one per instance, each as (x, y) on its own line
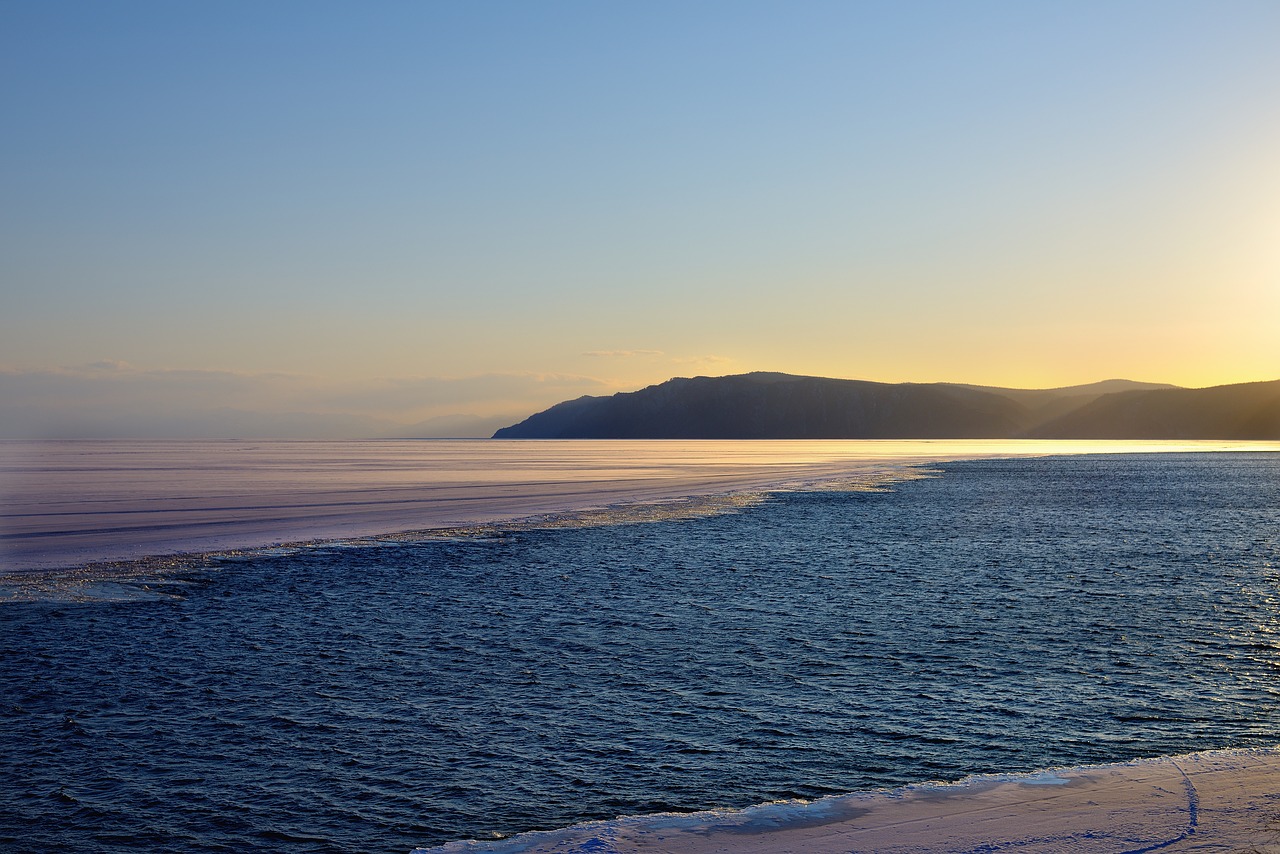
(1007, 616)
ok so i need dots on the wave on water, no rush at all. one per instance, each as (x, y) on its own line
(791, 814)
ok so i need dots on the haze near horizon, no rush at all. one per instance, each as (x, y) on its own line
(316, 219)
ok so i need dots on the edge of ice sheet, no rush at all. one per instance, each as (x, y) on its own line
(67, 506)
(145, 578)
(752, 827)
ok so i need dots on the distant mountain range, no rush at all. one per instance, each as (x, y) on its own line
(782, 406)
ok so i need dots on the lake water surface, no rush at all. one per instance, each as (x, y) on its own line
(1003, 615)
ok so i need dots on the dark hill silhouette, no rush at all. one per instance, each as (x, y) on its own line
(1046, 404)
(777, 406)
(1242, 411)
(782, 406)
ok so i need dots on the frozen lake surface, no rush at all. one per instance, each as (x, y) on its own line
(66, 504)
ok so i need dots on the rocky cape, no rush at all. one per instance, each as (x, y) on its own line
(782, 406)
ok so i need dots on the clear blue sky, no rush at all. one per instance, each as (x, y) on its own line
(405, 210)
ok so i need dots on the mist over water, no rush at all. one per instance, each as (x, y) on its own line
(1005, 616)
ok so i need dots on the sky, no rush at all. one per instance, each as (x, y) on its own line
(434, 218)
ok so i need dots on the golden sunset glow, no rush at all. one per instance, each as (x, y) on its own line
(455, 226)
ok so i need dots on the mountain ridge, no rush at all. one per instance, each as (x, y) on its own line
(771, 405)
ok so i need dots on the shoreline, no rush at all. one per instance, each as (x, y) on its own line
(1220, 800)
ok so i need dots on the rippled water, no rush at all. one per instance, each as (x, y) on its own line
(1006, 616)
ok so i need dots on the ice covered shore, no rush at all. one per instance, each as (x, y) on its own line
(1225, 801)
